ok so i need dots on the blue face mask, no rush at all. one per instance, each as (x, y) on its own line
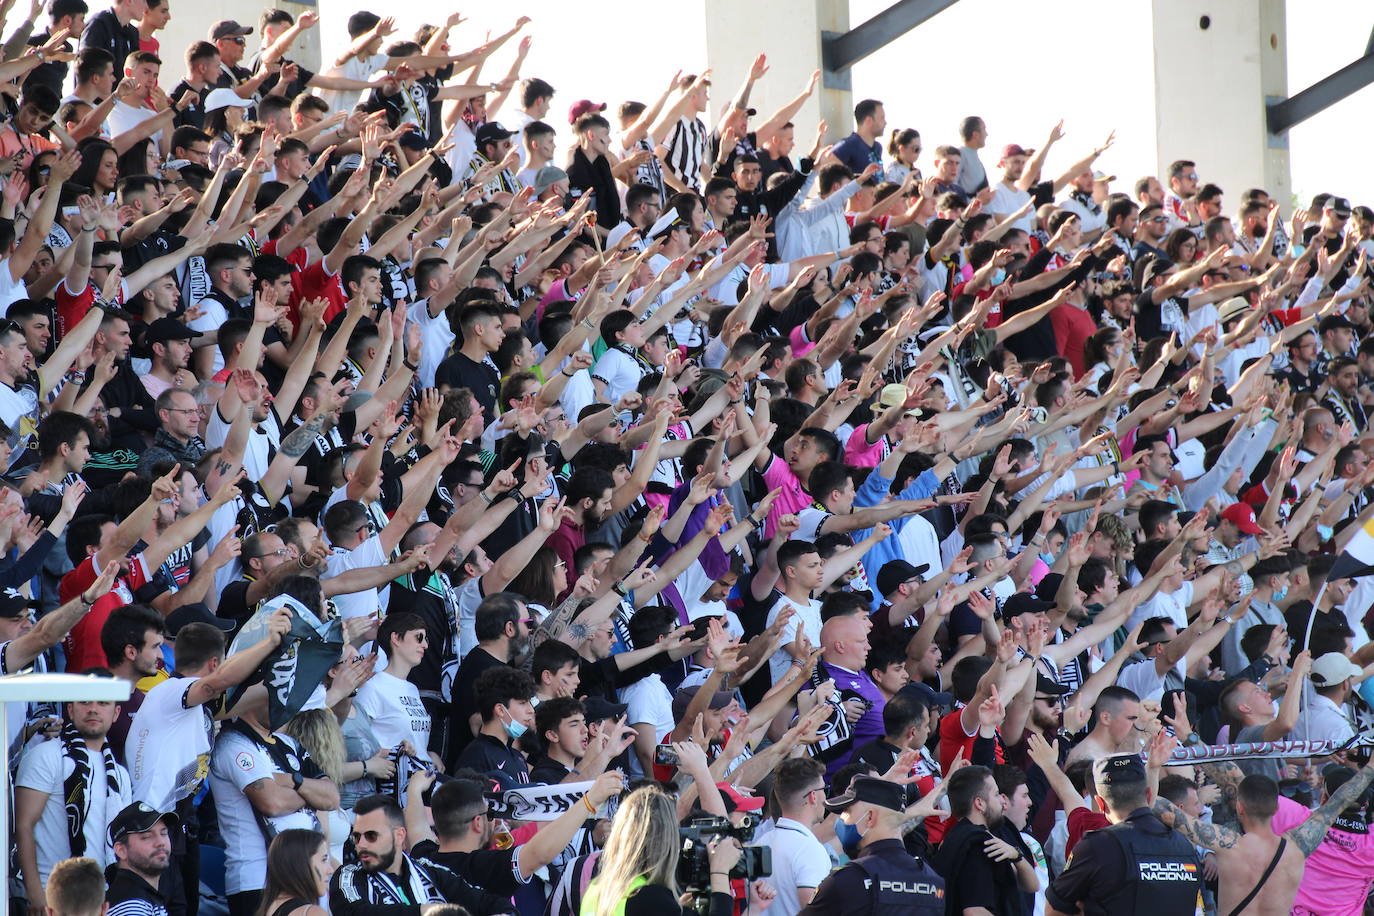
(515, 729)
(999, 276)
(848, 835)
(1047, 559)
(1280, 594)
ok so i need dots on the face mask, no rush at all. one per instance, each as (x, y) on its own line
(999, 277)
(1280, 594)
(1047, 559)
(848, 835)
(1325, 532)
(514, 729)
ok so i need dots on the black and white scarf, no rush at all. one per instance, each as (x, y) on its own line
(412, 888)
(74, 786)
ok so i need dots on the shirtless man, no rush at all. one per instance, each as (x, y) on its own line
(1243, 859)
(1118, 729)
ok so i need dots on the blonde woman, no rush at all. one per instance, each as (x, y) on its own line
(638, 868)
(319, 733)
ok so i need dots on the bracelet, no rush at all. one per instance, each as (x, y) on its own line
(88, 229)
(1116, 467)
(85, 602)
(643, 538)
(619, 590)
(364, 767)
(407, 363)
(725, 873)
(588, 802)
(567, 373)
(486, 497)
(587, 323)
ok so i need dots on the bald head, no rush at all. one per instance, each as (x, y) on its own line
(844, 641)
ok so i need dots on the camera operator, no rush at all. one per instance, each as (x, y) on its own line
(886, 880)
(638, 868)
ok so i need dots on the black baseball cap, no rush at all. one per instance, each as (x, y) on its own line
(137, 818)
(872, 790)
(1048, 586)
(1340, 205)
(165, 329)
(13, 604)
(491, 132)
(1021, 603)
(1334, 322)
(1044, 685)
(196, 613)
(1118, 769)
(597, 708)
(895, 572)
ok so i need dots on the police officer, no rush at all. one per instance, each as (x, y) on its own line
(885, 880)
(1136, 866)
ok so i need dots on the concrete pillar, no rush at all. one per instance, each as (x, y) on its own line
(1217, 63)
(789, 32)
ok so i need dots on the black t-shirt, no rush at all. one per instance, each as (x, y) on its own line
(464, 702)
(482, 379)
(492, 870)
(497, 759)
(194, 113)
(971, 878)
(544, 769)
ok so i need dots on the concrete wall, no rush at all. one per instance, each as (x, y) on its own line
(1215, 64)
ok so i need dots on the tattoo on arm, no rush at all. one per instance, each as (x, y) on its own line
(298, 442)
(1308, 835)
(221, 466)
(1200, 833)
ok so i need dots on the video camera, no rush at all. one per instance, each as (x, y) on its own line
(694, 867)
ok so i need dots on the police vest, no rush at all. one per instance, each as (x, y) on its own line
(1163, 875)
(902, 888)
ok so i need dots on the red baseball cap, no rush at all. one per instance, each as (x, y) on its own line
(1242, 515)
(583, 106)
(1014, 149)
(741, 801)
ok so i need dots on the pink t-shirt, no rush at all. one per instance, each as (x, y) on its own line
(790, 501)
(1339, 871)
(859, 453)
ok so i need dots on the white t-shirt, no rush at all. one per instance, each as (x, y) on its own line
(255, 453)
(1143, 679)
(396, 712)
(649, 703)
(437, 336)
(215, 316)
(799, 860)
(808, 613)
(235, 765)
(355, 68)
(1006, 201)
(367, 601)
(168, 748)
(620, 371)
(43, 768)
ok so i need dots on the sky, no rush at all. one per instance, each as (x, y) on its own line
(1089, 62)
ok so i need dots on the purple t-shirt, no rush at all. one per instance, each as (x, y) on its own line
(851, 684)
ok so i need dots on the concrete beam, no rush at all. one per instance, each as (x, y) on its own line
(840, 52)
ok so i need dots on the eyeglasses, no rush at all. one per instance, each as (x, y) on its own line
(102, 267)
(195, 410)
(279, 552)
(367, 526)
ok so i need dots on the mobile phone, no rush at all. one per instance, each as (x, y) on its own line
(665, 756)
(70, 211)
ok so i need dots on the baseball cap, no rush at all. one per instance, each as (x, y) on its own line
(1338, 204)
(1103, 176)
(583, 106)
(1053, 688)
(895, 572)
(597, 708)
(1333, 668)
(872, 790)
(1048, 586)
(225, 98)
(683, 698)
(1242, 515)
(1157, 267)
(1333, 322)
(928, 695)
(165, 329)
(13, 604)
(491, 132)
(1014, 149)
(741, 801)
(1022, 603)
(228, 28)
(196, 613)
(1118, 769)
(1233, 308)
(547, 177)
(137, 818)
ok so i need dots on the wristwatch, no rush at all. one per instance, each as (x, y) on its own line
(297, 780)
